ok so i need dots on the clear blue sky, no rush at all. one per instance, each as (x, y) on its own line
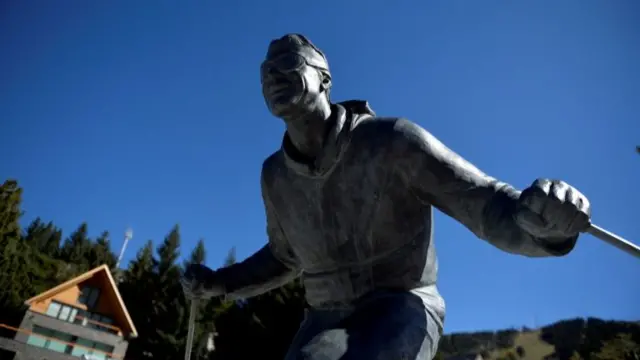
(149, 113)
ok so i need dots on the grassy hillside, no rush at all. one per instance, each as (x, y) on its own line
(575, 339)
(530, 343)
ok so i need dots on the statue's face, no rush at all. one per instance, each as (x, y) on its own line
(291, 83)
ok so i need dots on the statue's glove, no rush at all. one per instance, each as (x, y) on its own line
(200, 282)
(553, 210)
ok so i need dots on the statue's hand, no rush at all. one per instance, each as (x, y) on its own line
(552, 209)
(200, 282)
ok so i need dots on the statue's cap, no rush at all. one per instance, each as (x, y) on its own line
(301, 45)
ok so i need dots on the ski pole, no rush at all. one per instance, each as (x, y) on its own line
(615, 240)
(191, 329)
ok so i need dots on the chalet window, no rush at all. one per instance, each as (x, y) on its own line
(101, 318)
(65, 343)
(72, 315)
(54, 309)
(62, 312)
(84, 347)
(65, 311)
(89, 296)
(95, 349)
(38, 337)
(59, 346)
(108, 321)
(81, 317)
(49, 339)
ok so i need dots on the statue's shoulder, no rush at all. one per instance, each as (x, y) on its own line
(392, 133)
(272, 165)
(379, 126)
(366, 122)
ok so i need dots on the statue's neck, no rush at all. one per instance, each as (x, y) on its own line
(308, 133)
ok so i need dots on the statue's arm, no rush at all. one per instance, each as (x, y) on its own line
(440, 177)
(270, 267)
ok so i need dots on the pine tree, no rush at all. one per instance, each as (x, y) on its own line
(171, 314)
(52, 245)
(15, 263)
(44, 238)
(76, 250)
(100, 252)
(10, 212)
(168, 254)
(205, 314)
(231, 257)
(198, 255)
(32, 233)
(138, 293)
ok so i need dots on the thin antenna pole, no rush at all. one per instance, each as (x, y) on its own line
(128, 235)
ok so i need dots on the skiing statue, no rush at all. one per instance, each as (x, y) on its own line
(349, 199)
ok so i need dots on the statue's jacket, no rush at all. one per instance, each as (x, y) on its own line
(360, 217)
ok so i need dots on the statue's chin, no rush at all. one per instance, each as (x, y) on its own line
(283, 106)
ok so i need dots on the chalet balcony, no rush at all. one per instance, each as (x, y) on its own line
(51, 345)
(70, 314)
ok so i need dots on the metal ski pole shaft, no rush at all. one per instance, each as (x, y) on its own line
(191, 330)
(615, 240)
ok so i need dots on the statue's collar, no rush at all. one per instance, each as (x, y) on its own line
(331, 151)
(348, 114)
(357, 107)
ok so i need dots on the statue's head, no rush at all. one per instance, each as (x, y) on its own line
(295, 77)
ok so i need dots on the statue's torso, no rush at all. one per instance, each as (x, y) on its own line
(357, 227)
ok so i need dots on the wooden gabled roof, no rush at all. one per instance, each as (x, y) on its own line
(100, 270)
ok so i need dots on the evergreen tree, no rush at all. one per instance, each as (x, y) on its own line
(52, 246)
(76, 250)
(100, 252)
(138, 293)
(10, 212)
(45, 238)
(205, 313)
(15, 265)
(170, 314)
(168, 254)
(231, 257)
(33, 232)
(198, 255)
